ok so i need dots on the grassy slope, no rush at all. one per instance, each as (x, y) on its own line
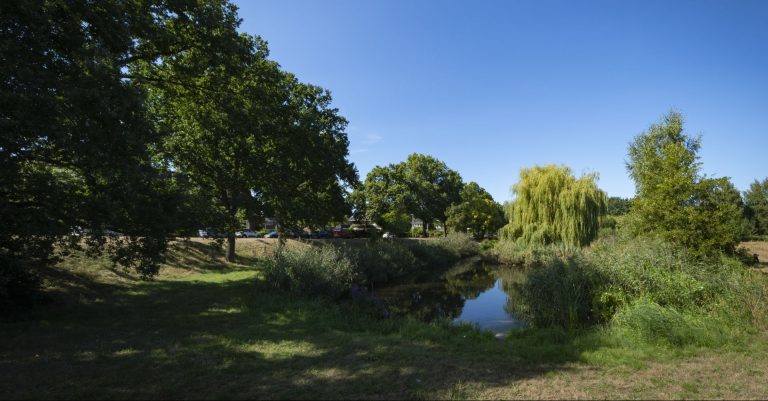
(208, 330)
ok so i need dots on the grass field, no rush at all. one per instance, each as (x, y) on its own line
(204, 329)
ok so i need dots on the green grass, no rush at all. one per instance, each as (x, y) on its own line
(218, 331)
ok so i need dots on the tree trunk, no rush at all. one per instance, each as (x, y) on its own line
(231, 248)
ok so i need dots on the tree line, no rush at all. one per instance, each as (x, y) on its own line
(151, 119)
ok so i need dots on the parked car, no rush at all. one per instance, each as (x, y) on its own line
(271, 234)
(247, 234)
(324, 234)
(388, 235)
(341, 233)
(208, 232)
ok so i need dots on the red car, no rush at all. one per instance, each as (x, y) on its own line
(339, 232)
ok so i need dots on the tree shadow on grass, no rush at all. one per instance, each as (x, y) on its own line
(238, 339)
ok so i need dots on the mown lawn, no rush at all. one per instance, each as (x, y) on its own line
(207, 330)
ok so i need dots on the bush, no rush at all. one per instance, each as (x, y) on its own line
(631, 282)
(415, 232)
(324, 271)
(521, 253)
(460, 243)
(430, 254)
(330, 270)
(381, 261)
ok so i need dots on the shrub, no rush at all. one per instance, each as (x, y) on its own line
(381, 261)
(324, 271)
(526, 254)
(649, 287)
(431, 254)
(460, 243)
(330, 270)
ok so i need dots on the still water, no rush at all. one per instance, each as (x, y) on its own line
(471, 292)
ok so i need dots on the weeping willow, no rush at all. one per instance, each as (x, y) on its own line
(552, 206)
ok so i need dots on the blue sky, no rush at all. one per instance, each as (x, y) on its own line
(494, 86)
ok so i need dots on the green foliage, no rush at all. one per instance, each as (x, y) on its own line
(460, 243)
(648, 286)
(559, 295)
(521, 253)
(756, 200)
(395, 221)
(381, 261)
(477, 213)
(617, 206)
(324, 271)
(657, 324)
(236, 125)
(329, 270)
(673, 200)
(551, 206)
(76, 152)
(421, 186)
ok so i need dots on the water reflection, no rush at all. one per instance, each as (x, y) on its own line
(471, 292)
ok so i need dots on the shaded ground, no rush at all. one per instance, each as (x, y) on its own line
(208, 330)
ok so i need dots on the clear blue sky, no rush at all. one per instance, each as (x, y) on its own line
(491, 87)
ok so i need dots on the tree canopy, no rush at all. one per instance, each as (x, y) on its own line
(477, 212)
(552, 206)
(76, 150)
(617, 206)
(674, 201)
(153, 110)
(422, 186)
(756, 202)
(254, 137)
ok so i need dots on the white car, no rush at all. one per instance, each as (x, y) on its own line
(388, 235)
(247, 234)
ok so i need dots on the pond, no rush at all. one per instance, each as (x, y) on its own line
(471, 292)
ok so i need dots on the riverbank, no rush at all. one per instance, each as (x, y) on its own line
(210, 330)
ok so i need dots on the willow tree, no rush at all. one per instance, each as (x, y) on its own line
(551, 206)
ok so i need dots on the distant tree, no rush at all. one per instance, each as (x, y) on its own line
(756, 200)
(673, 200)
(552, 206)
(617, 206)
(477, 212)
(421, 186)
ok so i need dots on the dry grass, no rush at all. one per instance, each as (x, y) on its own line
(711, 376)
